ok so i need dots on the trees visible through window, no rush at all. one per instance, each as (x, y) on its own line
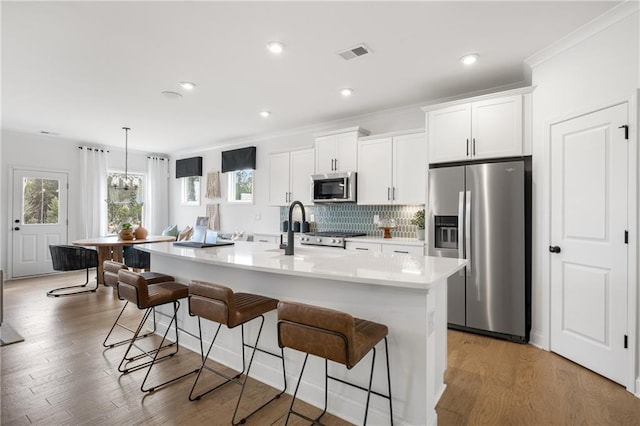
(191, 190)
(241, 186)
(124, 205)
(40, 201)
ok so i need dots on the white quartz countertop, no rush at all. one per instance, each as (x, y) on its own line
(386, 269)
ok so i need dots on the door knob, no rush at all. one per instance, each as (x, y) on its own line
(554, 249)
(17, 228)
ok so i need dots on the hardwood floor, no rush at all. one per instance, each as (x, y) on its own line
(60, 374)
(494, 382)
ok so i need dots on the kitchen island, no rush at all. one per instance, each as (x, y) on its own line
(405, 292)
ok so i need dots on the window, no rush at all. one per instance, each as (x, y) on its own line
(241, 186)
(191, 190)
(40, 201)
(124, 205)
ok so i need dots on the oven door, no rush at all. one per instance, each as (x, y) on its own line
(334, 188)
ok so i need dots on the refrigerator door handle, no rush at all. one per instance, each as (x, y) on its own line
(467, 231)
(460, 220)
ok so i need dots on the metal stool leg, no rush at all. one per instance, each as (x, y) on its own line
(246, 378)
(117, 323)
(386, 350)
(126, 359)
(204, 366)
(174, 321)
(293, 399)
(366, 407)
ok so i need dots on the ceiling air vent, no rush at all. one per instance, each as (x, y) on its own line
(354, 52)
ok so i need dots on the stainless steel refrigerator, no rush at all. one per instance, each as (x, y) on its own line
(482, 212)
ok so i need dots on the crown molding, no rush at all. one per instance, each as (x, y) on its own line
(589, 29)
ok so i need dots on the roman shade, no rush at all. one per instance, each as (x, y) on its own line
(239, 159)
(189, 167)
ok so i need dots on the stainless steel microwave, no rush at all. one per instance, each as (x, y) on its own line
(334, 188)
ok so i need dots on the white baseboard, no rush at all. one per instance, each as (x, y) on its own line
(537, 340)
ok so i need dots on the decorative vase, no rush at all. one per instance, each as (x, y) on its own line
(126, 234)
(420, 234)
(141, 232)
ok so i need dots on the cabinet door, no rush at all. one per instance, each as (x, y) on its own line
(337, 153)
(325, 154)
(374, 171)
(301, 171)
(346, 150)
(497, 127)
(449, 133)
(409, 169)
(279, 179)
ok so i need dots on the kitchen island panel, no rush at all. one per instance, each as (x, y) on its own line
(417, 333)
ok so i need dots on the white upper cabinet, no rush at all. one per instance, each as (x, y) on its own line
(290, 177)
(496, 127)
(392, 169)
(337, 151)
(301, 169)
(487, 127)
(449, 133)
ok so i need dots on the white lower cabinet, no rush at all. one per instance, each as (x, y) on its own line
(385, 247)
(266, 238)
(363, 246)
(404, 249)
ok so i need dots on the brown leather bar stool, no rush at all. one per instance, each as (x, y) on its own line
(110, 275)
(334, 336)
(133, 287)
(220, 304)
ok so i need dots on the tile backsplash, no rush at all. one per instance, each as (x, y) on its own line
(352, 217)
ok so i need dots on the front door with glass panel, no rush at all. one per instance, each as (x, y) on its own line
(39, 219)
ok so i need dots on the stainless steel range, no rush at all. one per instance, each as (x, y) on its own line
(328, 238)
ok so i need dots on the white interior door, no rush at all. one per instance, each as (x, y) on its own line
(588, 223)
(39, 219)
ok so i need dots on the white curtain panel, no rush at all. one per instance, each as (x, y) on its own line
(93, 192)
(156, 195)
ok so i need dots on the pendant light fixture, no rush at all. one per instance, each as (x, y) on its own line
(125, 184)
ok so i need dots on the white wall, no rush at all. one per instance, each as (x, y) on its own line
(41, 152)
(599, 70)
(260, 217)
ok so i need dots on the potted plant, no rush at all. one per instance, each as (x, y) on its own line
(126, 231)
(418, 220)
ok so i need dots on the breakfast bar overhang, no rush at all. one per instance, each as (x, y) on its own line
(405, 292)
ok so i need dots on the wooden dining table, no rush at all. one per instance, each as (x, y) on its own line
(110, 248)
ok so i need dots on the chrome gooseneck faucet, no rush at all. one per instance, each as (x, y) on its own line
(288, 250)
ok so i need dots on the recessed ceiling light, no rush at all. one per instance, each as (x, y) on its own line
(265, 114)
(275, 47)
(167, 94)
(469, 59)
(187, 85)
(346, 92)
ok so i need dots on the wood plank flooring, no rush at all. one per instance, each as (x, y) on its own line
(60, 374)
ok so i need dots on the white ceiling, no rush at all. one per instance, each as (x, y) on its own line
(85, 69)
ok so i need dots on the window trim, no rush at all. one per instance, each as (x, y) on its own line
(183, 189)
(231, 179)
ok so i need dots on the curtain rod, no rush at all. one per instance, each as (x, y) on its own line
(158, 158)
(93, 149)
